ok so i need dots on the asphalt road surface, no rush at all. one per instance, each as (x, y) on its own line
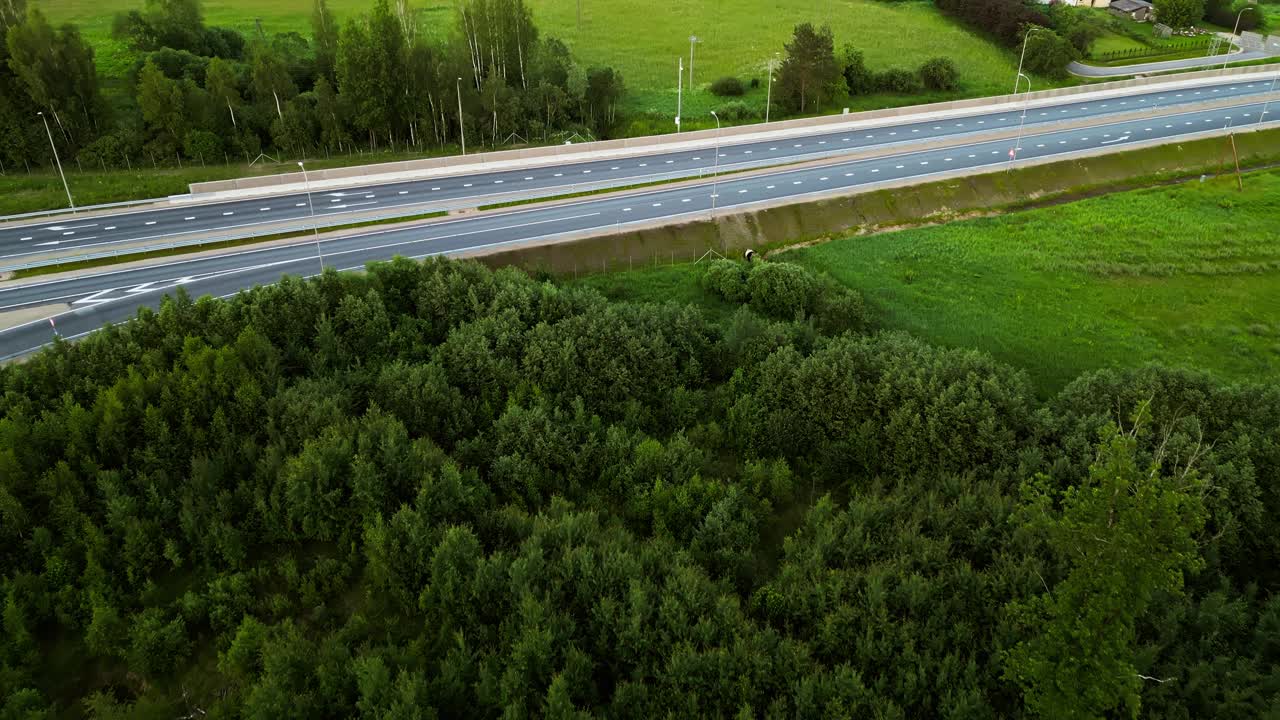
(115, 295)
(95, 234)
(1100, 71)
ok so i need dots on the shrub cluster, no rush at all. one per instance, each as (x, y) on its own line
(786, 291)
(727, 87)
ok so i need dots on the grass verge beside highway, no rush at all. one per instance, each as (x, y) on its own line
(1182, 275)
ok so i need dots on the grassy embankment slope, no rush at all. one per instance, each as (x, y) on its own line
(1183, 275)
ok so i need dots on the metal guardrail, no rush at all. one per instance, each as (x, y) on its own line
(406, 211)
(85, 208)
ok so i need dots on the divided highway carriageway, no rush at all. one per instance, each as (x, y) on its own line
(20, 243)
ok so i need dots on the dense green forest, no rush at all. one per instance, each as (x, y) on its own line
(433, 490)
(211, 94)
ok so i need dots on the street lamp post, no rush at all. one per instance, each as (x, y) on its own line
(679, 91)
(462, 129)
(715, 174)
(768, 94)
(1025, 35)
(693, 40)
(1234, 32)
(315, 230)
(57, 161)
(1017, 147)
(1267, 104)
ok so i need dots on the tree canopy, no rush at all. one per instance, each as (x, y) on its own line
(435, 490)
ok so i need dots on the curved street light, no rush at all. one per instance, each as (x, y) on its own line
(1235, 31)
(315, 230)
(1023, 57)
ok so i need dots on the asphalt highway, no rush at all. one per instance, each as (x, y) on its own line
(115, 295)
(97, 233)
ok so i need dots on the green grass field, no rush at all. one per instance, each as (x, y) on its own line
(1186, 275)
(737, 38)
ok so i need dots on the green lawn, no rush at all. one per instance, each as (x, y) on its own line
(1186, 276)
(737, 38)
(1114, 42)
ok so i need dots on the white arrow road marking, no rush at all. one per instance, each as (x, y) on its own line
(1119, 139)
(96, 298)
(347, 205)
(59, 228)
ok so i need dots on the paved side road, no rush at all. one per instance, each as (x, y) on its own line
(1095, 71)
(115, 295)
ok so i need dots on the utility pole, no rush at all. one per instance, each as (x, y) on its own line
(56, 160)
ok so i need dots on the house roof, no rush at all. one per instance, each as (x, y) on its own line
(1130, 5)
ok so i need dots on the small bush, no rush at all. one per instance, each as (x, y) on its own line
(203, 145)
(755, 83)
(726, 278)
(897, 81)
(727, 86)
(782, 290)
(735, 111)
(940, 74)
(839, 310)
